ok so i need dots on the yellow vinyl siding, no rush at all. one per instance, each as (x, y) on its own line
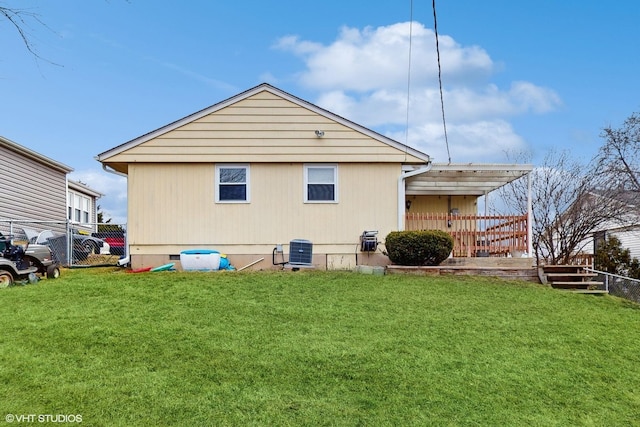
(466, 205)
(262, 128)
(174, 205)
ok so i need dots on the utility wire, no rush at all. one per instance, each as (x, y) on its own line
(444, 123)
(406, 136)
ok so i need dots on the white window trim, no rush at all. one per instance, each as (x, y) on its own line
(247, 169)
(335, 182)
(75, 203)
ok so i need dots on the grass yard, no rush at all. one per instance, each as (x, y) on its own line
(316, 348)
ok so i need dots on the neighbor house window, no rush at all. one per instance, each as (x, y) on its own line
(321, 183)
(79, 209)
(232, 183)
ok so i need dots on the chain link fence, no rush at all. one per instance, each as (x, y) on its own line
(620, 286)
(73, 245)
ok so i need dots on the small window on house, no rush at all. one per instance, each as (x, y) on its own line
(320, 183)
(232, 183)
(79, 209)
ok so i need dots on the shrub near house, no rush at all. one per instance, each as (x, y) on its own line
(429, 247)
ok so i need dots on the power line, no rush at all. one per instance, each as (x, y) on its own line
(444, 122)
(406, 137)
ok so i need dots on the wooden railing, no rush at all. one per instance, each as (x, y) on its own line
(476, 235)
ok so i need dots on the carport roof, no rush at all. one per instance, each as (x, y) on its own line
(464, 179)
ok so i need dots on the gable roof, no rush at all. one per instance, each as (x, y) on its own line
(630, 198)
(30, 154)
(84, 189)
(114, 158)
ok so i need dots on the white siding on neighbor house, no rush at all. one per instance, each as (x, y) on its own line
(174, 205)
(30, 189)
(629, 239)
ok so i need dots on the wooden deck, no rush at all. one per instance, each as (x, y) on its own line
(476, 235)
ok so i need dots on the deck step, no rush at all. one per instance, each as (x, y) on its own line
(576, 283)
(572, 274)
(572, 278)
(579, 282)
(586, 291)
(579, 287)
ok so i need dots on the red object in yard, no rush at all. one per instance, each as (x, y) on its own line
(116, 241)
(139, 270)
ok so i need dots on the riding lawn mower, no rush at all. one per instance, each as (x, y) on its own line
(25, 262)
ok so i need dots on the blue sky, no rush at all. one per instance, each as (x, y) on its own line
(518, 75)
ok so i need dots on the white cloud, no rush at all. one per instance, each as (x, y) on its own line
(481, 141)
(362, 75)
(294, 44)
(374, 58)
(534, 98)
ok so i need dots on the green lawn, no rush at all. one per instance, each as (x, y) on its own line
(316, 348)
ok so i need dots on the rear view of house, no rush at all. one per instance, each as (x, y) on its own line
(258, 170)
(265, 168)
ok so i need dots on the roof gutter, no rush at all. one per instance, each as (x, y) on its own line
(401, 190)
(113, 171)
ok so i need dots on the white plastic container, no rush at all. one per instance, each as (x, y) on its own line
(200, 260)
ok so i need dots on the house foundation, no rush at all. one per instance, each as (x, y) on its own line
(257, 262)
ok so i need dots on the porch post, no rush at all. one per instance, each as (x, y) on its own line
(401, 190)
(529, 217)
(401, 194)
(486, 203)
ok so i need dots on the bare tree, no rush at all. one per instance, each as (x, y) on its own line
(20, 20)
(618, 161)
(566, 207)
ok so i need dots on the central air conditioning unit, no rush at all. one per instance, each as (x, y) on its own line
(300, 254)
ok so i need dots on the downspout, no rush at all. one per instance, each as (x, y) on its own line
(127, 256)
(67, 223)
(401, 191)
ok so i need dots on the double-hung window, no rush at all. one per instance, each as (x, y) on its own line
(232, 183)
(78, 208)
(321, 183)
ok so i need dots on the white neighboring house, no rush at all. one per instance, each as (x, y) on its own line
(82, 208)
(627, 229)
(628, 234)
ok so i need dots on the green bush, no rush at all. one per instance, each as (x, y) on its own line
(613, 258)
(428, 247)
